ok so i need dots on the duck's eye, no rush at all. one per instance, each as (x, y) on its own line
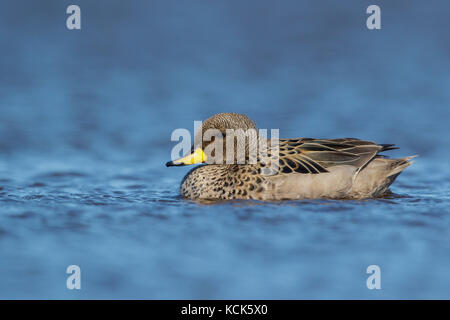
(212, 140)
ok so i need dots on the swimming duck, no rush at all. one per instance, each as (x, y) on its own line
(301, 168)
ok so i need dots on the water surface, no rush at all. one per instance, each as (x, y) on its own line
(85, 125)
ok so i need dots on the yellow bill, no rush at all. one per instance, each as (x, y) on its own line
(198, 156)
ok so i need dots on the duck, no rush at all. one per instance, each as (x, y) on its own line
(288, 169)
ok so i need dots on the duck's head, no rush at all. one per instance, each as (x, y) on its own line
(232, 130)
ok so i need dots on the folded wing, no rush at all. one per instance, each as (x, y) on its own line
(306, 155)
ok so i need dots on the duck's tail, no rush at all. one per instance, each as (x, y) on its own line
(398, 165)
(374, 180)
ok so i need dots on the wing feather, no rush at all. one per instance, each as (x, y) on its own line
(306, 155)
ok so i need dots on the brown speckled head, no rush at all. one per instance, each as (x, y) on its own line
(237, 128)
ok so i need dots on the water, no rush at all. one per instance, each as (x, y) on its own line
(85, 125)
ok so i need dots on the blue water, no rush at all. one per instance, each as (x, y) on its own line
(85, 124)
